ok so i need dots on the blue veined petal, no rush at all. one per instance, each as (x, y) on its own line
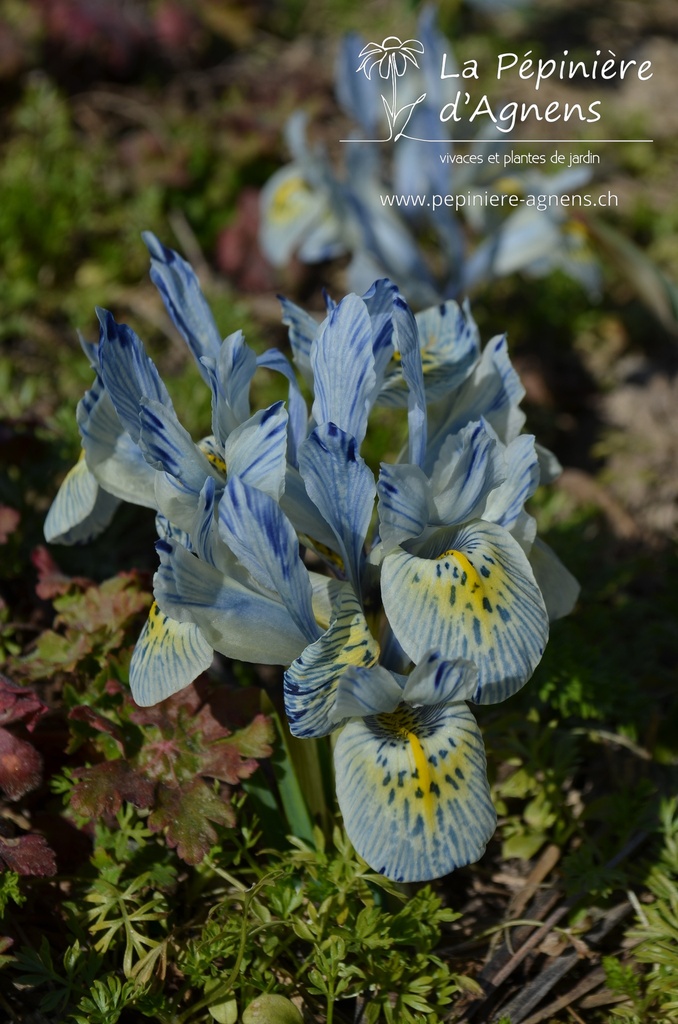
(356, 93)
(435, 680)
(469, 593)
(127, 372)
(470, 466)
(412, 788)
(302, 513)
(450, 350)
(505, 504)
(342, 487)
(184, 301)
(379, 301)
(492, 392)
(296, 406)
(256, 450)
(256, 530)
(406, 339)
(169, 531)
(559, 588)
(80, 510)
(303, 329)
(365, 691)
(311, 681)
(343, 368)
(112, 456)
(168, 446)
(230, 377)
(238, 621)
(168, 656)
(404, 503)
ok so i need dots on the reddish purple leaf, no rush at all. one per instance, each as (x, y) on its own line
(185, 815)
(101, 789)
(28, 855)
(20, 765)
(18, 703)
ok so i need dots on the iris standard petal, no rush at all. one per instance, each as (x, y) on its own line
(435, 680)
(406, 340)
(469, 593)
(80, 510)
(505, 504)
(256, 450)
(450, 349)
(404, 503)
(290, 207)
(311, 681)
(274, 359)
(238, 621)
(127, 372)
(412, 788)
(180, 291)
(342, 487)
(168, 446)
(257, 531)
(112, 456)
(470, 466)
(343, 368)
(302, 329)
(230, 376)
(492, 392)
(365, 691)
(168, 656)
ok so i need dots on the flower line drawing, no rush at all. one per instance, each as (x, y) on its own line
(392, 57)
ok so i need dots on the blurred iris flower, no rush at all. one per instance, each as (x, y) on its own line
(434, 591)
(314, 210)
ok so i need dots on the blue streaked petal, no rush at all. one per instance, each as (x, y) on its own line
(180, 291)
(168, 446)
(471, 464)
(469, 593)
(296, 406)
(236, 620)
(342, 487)
(379, 301)
(343, 368)
(559, 588)
(291, 207)
(438, 681)
(256, 530)
(230, 376)
(406, 340)
(505, 504)
(303, 329)
(404, 503)
(127, 372)
(81, 509)
(412, 788)
(492, 392)
(112, 456)
(302, 513)
(311, 681)
(365, 691)
(168, 656)
(256, 450)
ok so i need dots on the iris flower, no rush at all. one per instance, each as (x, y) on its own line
(436, 592)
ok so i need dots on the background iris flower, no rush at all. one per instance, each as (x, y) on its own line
(431, 598)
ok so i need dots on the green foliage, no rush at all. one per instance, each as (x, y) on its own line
(313, 921)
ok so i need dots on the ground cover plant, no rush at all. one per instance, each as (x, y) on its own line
(186, 861)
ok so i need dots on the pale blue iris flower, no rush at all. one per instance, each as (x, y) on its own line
(434, 592)
(314, 210)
